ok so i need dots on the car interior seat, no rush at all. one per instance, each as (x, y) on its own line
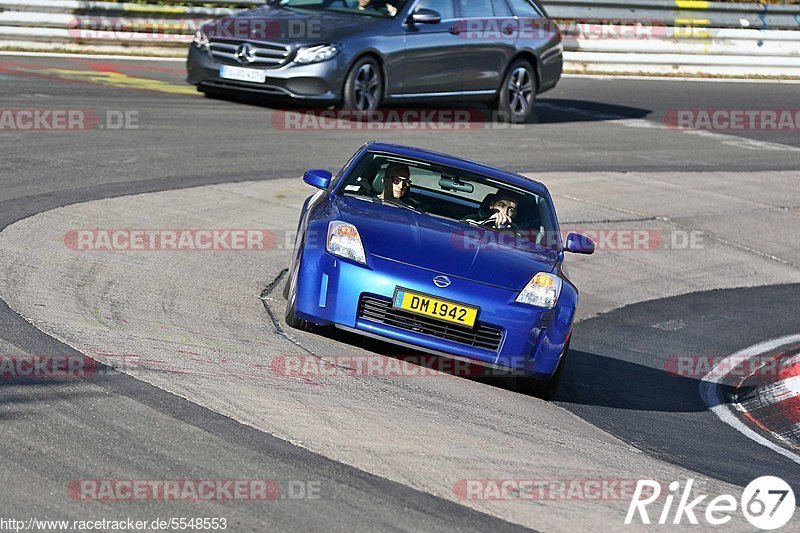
(528, 214)
(377, 181)
(484, 211)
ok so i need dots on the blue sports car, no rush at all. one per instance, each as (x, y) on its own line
(441, 255)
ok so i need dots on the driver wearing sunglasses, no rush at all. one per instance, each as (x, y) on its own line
(396, 181)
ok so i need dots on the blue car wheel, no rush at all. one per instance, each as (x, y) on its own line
(544, 389)
(291, 296)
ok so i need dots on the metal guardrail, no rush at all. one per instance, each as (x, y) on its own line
(669, 12)
(682, 13)
(680, 36)
(78, 7)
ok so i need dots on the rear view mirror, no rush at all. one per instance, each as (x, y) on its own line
(455, 184)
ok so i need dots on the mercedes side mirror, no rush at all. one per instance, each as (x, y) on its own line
(424, 15)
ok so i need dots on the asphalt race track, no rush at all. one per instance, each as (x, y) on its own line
(382, 453)
(625, 390)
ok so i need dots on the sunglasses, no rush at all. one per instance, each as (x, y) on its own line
(397, 180)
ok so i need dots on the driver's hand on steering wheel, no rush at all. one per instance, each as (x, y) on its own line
(499, 220)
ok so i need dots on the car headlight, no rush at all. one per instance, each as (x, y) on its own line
(344, 241)
(542, 291)
(315, 54)
(201, 40)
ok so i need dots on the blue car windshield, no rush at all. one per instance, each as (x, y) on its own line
(470, 199)
(373, 8)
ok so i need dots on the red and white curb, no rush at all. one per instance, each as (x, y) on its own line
(774, 404)
(772, 400)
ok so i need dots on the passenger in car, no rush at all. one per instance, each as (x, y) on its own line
(377, 5)
(496, 211)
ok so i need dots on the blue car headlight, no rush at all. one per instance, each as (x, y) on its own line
(542, 291)
(316, 54)
(344, 241)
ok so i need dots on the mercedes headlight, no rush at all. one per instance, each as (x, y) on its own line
(316, 54)
(201, 39)
(542, 291)
(344, 241)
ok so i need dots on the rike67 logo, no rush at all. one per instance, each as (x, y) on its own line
(767, 503)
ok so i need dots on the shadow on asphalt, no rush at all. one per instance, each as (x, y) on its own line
(17, 392)
(472, 372)
(557, 110)
(589, 379)
(605, 381)
(547, 110)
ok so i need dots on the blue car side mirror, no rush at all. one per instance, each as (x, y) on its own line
(579, 244)
(318, 178)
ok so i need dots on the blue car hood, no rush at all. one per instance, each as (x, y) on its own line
(444, 246)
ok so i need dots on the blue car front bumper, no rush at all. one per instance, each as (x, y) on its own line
(330, 291)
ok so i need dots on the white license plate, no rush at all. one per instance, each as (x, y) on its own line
(242, 74)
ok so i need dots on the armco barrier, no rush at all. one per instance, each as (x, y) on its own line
(694, 37)
(682, 12)
(121, 8)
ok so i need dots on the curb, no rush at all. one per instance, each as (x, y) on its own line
(771, 401)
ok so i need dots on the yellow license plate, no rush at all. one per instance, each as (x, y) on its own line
(425, 305)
